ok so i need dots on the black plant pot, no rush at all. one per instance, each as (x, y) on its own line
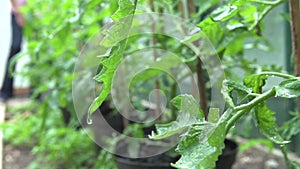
(228, 157)
(157, 162)
(124, 163)
(225, 161)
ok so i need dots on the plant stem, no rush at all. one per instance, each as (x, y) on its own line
(287, 76)
(268, 2)
(295, 29)
(244, 108)
(284, 150)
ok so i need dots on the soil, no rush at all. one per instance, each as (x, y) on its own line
(17, 158)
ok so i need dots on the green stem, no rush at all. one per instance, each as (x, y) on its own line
(283, 75)
(244, 108)
(268, 2)
(286, 158)
(265, 12)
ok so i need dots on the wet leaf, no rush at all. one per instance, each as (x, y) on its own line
(289, 88)
(201, 146)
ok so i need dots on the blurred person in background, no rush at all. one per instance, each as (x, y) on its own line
(17, 23)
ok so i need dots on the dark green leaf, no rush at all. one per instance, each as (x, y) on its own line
(267, 125)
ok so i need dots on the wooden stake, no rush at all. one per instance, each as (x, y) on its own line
(295, 32)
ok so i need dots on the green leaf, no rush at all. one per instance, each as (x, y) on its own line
(188, 104)
(116, 38)
(224, 13)
(256, 82)
(126, 7)
(229, 86)
(106, 76)
(201, 146)
(184, 121)
(267, 125)
(189, 113)
(214, 115)
(288, 88)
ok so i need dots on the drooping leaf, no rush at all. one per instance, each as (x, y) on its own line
(288, 88)
(267, 125)
(106, 76)
(115, 38)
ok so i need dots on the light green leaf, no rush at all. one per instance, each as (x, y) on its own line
(214, 115)
(256, 82)
(188, 104)
(126, 7)
(224, 13)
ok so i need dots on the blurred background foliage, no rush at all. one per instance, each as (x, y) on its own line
(57, 30)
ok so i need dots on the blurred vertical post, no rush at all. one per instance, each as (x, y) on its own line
(158, 110)
(295, 32)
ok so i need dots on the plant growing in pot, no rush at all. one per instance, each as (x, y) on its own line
(202, 140)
